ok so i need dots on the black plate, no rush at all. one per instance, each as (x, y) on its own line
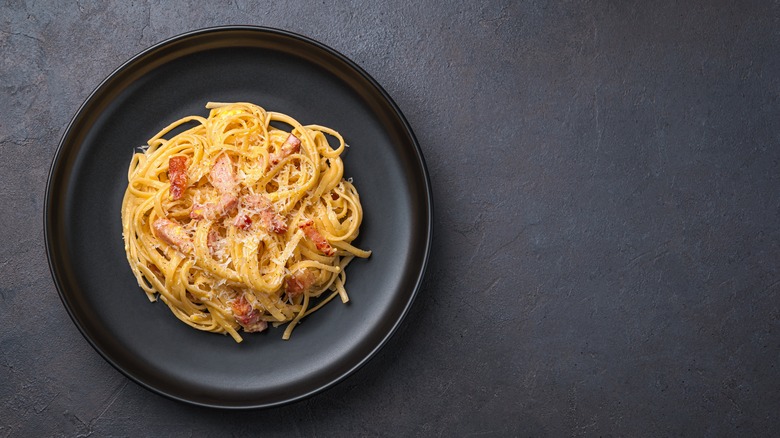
(282, 72)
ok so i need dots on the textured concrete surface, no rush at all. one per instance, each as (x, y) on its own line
(607, 187)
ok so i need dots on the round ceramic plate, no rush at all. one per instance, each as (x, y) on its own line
(282, 72)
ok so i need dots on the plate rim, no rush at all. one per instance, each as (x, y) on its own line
(60, 151)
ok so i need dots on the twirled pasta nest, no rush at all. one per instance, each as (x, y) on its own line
(236, 224)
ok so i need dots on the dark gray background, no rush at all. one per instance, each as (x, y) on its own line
(606, 180)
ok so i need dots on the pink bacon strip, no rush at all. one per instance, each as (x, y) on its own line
(223, 175)
(227, 205)
(298, 282)
(260, 205)
(314, 235)
(173, 234)
(247, 316)
(177, 174)
(292, 145)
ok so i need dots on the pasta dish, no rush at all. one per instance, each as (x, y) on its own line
(236, 223)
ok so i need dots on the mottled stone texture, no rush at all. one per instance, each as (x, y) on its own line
(607, 187)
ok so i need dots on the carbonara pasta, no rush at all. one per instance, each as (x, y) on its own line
(235, 223)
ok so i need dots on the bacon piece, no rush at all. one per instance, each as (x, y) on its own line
(222, 174)
(272, 220)
(298, 282)
(173, 234)
(247, 316)
(268, 216)
(226, 206)
(290, 146)
(243, 221)
(199, 211)
(314, 235)
(177, 174)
